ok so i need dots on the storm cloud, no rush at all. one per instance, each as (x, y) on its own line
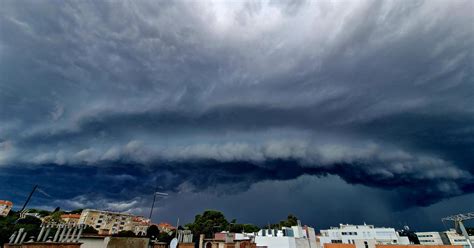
(218, 97)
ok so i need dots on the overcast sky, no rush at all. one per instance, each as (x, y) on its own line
(336, 111)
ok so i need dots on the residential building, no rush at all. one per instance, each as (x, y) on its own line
(165, 227)
(457, 239)
(5, 207)
(140, 225)
(70, 218)
(339, 245)
(432, 238)
(450, 237)
(287, 237)
(362, 236)
(229, 240)
(107, 222)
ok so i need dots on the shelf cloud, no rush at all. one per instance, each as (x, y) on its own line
(219, 97)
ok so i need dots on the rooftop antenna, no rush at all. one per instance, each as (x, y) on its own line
(155, 193)
(458, 222)
(177, 225)
(29, 197)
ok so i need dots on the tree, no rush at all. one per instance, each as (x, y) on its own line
(153, 232)
(166, 237)
(248, 228)
(30, 224)
(208, 223)
(290, 221)
(127, 233)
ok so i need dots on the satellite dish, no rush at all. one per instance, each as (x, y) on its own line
(174, 243)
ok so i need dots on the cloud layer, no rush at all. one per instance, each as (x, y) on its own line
(227, 95)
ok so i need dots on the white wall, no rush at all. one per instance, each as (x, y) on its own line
(350, 234)
(93, 243)
(275, 242)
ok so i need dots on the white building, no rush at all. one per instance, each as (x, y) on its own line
(363, 236)
(287, 237)
(430, 238)
(442, 238)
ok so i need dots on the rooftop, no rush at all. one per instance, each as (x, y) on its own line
(4, 202)
(71, 216)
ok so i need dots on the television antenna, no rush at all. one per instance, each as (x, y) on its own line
(156, 193)
(458, 222)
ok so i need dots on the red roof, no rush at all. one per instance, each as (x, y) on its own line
(8, 203)
(71, 216)
(166, 225)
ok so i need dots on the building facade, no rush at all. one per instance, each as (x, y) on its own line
(287, 237)
(362, 236)
(450, 237)
(432, 238)
(107, 222)
(5, 207)
(166, 227)
(70, 218)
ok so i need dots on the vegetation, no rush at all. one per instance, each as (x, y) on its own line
(291, 220)
(166, 237)
(212, 221)
(152, 231)
(9, 225)
(125, 234)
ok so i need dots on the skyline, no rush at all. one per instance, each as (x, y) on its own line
(332, 111)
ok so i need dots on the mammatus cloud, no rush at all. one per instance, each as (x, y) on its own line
(377, 93)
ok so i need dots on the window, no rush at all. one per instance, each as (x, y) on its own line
(336, 241)
(366, 244)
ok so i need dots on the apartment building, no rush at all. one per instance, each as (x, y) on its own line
(362, 236)
(287, 237)
(70, 218)
(450, 237)
(107, 222)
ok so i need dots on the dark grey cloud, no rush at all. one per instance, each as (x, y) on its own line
(224, 96)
